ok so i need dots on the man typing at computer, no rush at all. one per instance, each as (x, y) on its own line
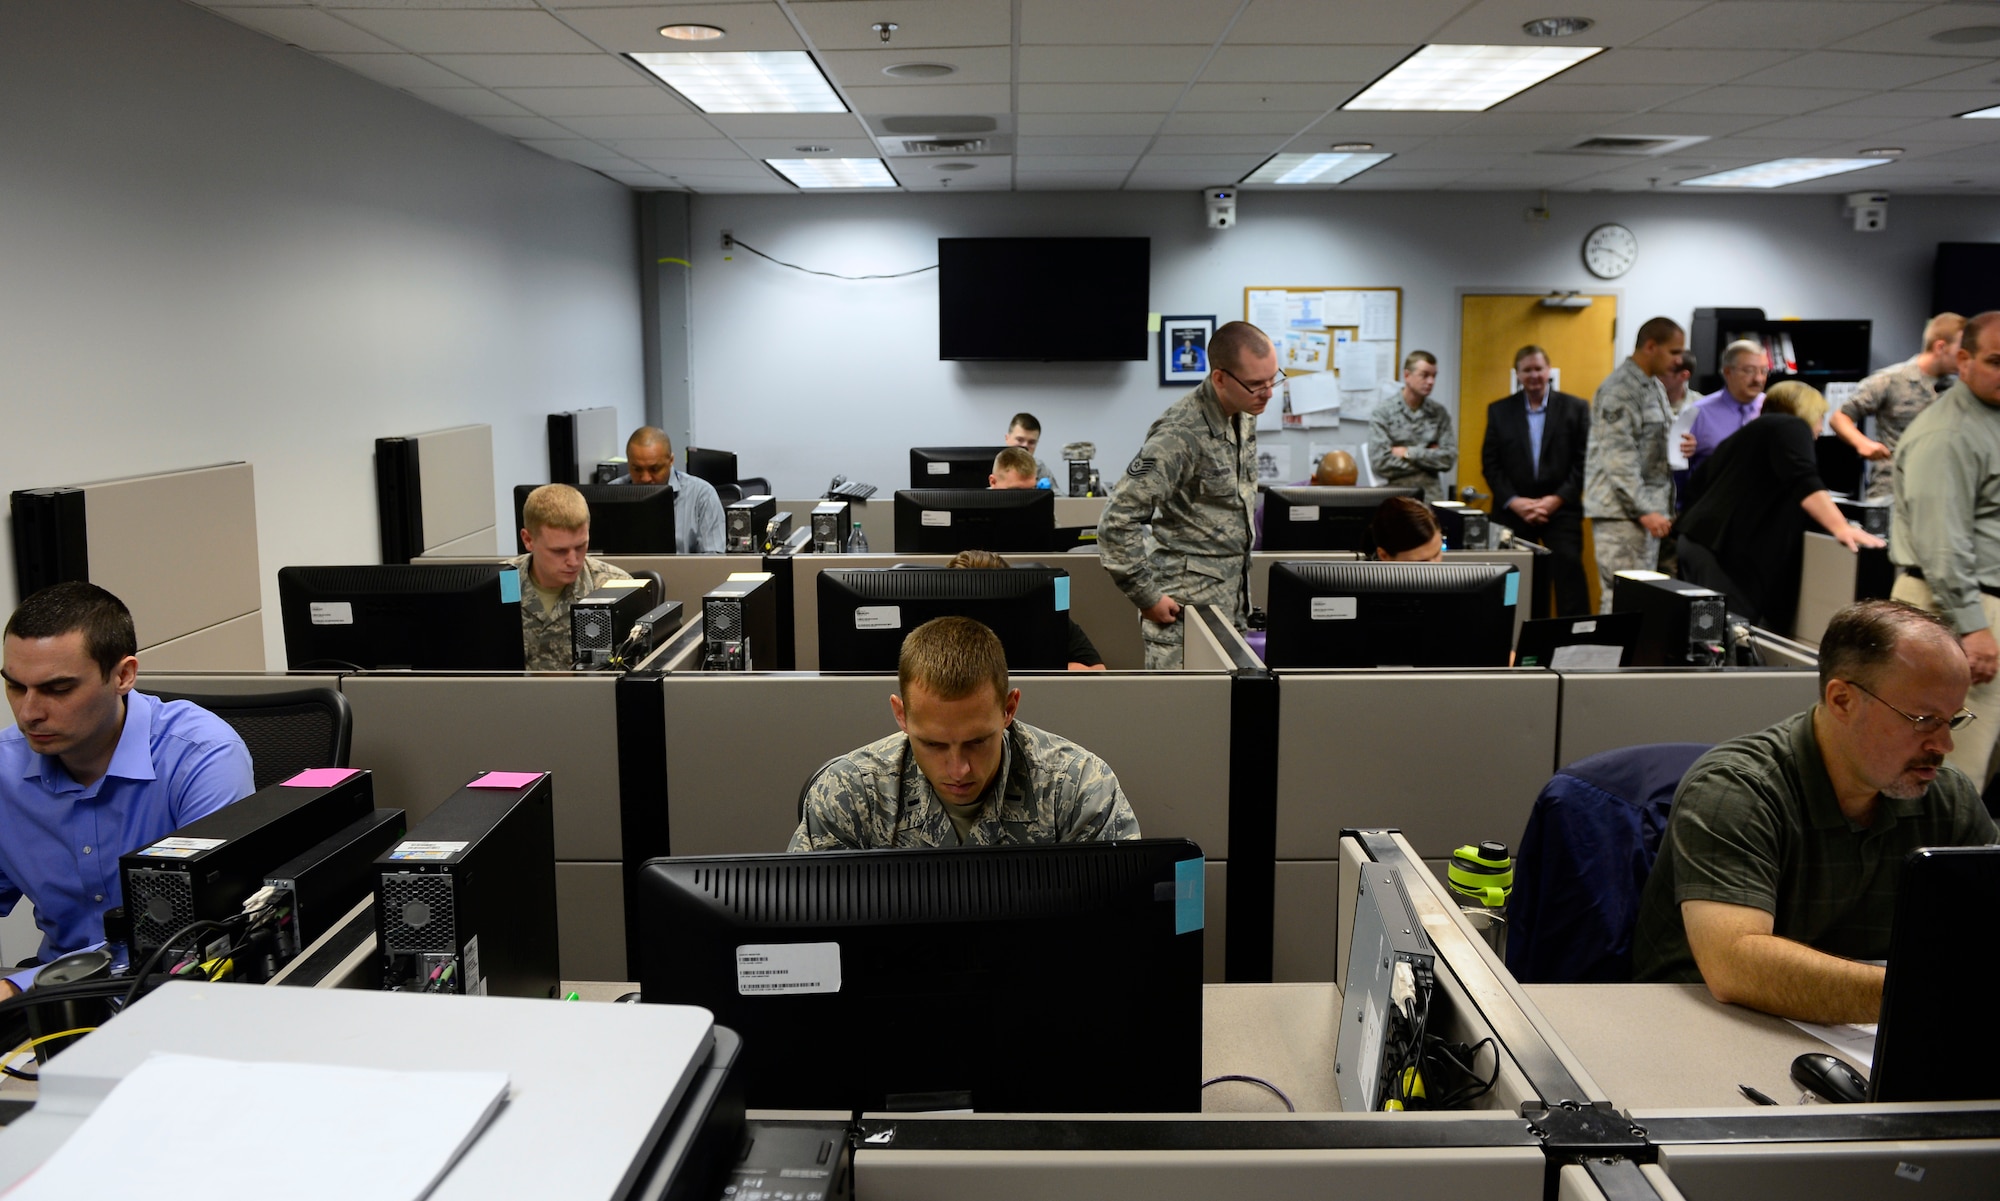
(962, 772)
(1776, 881)
(557, 570)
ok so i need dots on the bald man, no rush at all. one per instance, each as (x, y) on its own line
(1335, 469)
(649, 459)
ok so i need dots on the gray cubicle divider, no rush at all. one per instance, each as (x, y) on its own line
(1603, 711)
(579, 440)
(739, 749)
(435, 495)
(1831, 577)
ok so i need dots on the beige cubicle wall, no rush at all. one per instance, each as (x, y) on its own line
(455, 470)
(1602, 711)
(741, 747)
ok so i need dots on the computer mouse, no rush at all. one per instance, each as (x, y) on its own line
(1830, 1079)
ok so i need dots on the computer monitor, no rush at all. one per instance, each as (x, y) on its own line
(945, 521)
(1390, 614)
(961, 978)
(1942, 980)
(951, 466)
(428, 617)
(1593, 640)
(1308, 518)
(865, 612)
(625, 519)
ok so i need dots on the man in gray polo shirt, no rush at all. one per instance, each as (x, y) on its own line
(1776, 880)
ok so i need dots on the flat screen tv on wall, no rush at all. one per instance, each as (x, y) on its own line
(1966, 280)
(1044, 299)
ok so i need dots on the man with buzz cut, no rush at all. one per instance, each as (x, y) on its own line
(1025, 432)
(698, 520)
(557, 571)
(962, 772)
(1013, 469)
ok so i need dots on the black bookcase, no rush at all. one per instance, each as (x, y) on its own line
(1821, 352)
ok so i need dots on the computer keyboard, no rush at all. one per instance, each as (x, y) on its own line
(850, 491)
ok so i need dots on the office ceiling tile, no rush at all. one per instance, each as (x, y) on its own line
(1985, 75)
(789, 147)
(1087, 123)
(1367, 126)
(540, 70)
(1172, 181)
(637, 30)
(400, 70)
(1736, 99)
(1912, 104)
(1291, 23)
(1099, 64)
(568, 4)
(1912, 33)
(1121, 22)
(635, 100)
(1098, 97)
(863, 68)
(1952, 130)
(1076, 162)
(1819, 127)
(1237, 63)
(1615, 22)
(470, 102)
(524, 127)
(925, 100)
(1774, 24)
(308, 29)
(1067, 181)
(1602, 99)
(789, 125)
(577, 150)
(659, 150)
(666, 125)
(1683, 125)
(1215, 166)
(1673, 66)
(1265, 97)
(469, 32)
(1217, 143)
(1476, 145)
(922, 24)
(1851, 70)
(1259, 125)
(1132, 144)
(1552, 124)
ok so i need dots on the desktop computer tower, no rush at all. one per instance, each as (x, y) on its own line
(598, 623)
(832, 526)
(1870, 515)
(332, 877)
(739, 622)
(205, 870)
(743, 524)
(1681, 624)
(467, 903)
(1079, 477)
(1463, 527)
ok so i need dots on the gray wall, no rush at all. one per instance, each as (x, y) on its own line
(218, 247)
(805, 376)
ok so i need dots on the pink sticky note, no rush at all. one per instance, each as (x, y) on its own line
(506, 779)
(320, 777)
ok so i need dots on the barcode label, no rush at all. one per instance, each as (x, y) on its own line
(795, 967)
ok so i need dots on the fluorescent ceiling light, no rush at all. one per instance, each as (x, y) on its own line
(1312, 168)
(750, 81)
(1984, 114)
(1466, 79)
(834, 172)
(1779, 172)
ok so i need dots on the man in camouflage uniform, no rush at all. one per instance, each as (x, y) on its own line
(1195, 479)
(1894, 396)
(963, 772)
(1410, 442)
(1627, 485)
(556, 570)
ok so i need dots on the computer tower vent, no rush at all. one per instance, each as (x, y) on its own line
(918, 888)
(592, 635)
(160, 904)
(722, 619)
(419, 913)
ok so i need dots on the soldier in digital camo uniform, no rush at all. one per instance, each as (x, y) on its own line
(1410, 443)
(963, 772)
(556, 570)
(1627, 484)
(1195, 480)
(1895, 395)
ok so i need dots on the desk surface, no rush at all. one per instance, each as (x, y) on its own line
(1673, 1046)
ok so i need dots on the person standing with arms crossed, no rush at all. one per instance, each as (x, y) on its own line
(1627, 485)
(1410, 442)
(1195, 480)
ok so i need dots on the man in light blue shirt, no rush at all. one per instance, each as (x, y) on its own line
(91, 769)
(649, 459)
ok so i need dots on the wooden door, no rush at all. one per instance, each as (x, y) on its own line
(1581, 347)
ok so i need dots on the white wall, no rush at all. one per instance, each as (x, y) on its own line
(804, 376)
(217, 247)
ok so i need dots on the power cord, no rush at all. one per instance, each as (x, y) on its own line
(738, 242)
(1257, 1080)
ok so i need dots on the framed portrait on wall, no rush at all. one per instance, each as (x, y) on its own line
(1184, 349)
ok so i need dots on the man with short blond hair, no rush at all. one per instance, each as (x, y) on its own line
(649, 459)
(1894, 396)
(962, 772)
(1013, 468)
(1410, 440)
(557, 570)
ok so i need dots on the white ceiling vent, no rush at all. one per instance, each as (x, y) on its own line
(1635, 145)
(943, 145)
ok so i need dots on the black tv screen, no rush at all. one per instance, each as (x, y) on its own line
(1044, 299)
(1966, 280)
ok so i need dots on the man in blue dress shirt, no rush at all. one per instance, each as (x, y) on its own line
(92, 769)
(649, 459)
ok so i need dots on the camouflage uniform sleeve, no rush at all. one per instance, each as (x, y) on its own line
(1444, 456)
(833, 807)
(1614, 443)
(1867, 399)
(1154, 473)
(1380, 439)
(601, 571)
(1100, 811)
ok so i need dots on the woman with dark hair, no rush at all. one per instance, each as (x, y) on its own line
(1404, 531)
(1082, 655)
(1742, 532)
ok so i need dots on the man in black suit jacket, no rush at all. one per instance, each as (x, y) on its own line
(1538, 482)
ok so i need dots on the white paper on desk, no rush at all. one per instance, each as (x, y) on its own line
(1266, 309)
(1683, 423)
(1857, 1042)
(1314, 393)
(1378, 316)
(1355, 361)
(327, 1133)
(1585, 654)
(1342, 308)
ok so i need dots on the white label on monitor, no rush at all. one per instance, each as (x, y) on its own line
(624, 583)
(1584, 627)
(427, 850)
(937, 516)
(1585, 654)
(1333, 608)
(938, 468)
(332, 613)
(1305, 512)
(878, 617)
(181, 848)
(776, 969)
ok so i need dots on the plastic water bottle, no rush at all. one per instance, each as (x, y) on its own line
(857, 544)
(1482, 877)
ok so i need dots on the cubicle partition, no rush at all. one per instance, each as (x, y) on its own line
(1604, 710)
(435, 495)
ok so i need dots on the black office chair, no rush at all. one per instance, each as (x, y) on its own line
(756, 485)
(729, 493)
(286, 732)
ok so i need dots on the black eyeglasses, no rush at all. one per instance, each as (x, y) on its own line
(1929, 723)
(1269, 385)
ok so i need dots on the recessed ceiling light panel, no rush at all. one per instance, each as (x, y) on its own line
(1984, 114)
(751, 81)
(691, 33)
(1322, 169)
(834, 172)
(1353, 147)
(1556, 27)
(1466, 79)
(1780, 171)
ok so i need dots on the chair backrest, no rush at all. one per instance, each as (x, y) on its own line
(286, 732)
(755, 485)
(728, 494)
(1583, 861)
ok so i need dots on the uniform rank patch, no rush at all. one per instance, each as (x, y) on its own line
(1140, 466)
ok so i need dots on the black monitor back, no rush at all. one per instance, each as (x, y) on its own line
(864, 613)
(1942, 980)
(430, 617)
(1542, 638)
(625, 519)
(942, 979)
(951, 466)
(1390, 614)
(716, 466)
(945, 521)
(1310, 518)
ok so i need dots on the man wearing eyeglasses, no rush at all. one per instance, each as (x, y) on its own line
(1410, 442)
(1729, 408)
(1195, 481)
(1776, 879)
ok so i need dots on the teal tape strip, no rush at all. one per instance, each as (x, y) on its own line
(510, 587)
(1189, 911)
(1062, 594)
(1513, 588)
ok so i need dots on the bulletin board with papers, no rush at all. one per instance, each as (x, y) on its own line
(1338, 346)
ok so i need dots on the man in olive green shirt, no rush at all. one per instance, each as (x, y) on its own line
(1776, 880)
